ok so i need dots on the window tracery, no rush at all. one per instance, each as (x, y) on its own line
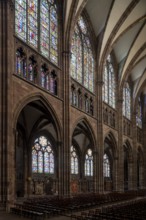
(89, 163)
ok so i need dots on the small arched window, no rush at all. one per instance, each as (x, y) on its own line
(109, 83)
(74, 161)
(89, 163)
(44, 72)
(42, 156)
(32, 69)
(139, 114)
(82, 61)
(36, 23)
(106, 166)
(20, 63)
(127, 101)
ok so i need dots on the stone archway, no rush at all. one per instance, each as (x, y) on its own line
(34, 121)
(110, 151)
(83, 141)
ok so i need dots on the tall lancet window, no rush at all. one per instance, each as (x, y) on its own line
(106, 166)
(89, 163)
(42, 156)
(82, 61)
(139, 114)
(127, 101)
(109, 83)
(74, 161)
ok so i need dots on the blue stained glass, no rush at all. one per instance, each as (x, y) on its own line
(74, 161)
(34, 161)
(106, 166)
(139, 114)
(47, 82)
(30, 72)
(42, 156)
(20, 18)
(82, 62)
(53, 35)
(32, 22)
(109, 83)
(89, 163)
(127, 101)
(34, 15)
(45, 28)
(43, 78)
(20, 64)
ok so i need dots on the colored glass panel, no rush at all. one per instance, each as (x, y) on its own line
(53, 35)
(127, 101)
(42, 156)
(106, 166)
(20, 18)
(20, 64)
(34, 161)
(34, 15)
(139, 114)
(82, 62)
(109, 83)
(89, 163)
(44, 27)
(40, 162)
(30, 72)
(32, 22)
(74, 161)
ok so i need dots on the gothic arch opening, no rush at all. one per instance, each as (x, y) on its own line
(127, 165)
(36, 151)
(109, 163)
(83, 145)
(139, 168)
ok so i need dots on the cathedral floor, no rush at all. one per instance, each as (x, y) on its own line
(10, 216)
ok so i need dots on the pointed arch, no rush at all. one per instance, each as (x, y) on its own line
(111, 139)
(128, 148)
(89, 126)
(38, 97)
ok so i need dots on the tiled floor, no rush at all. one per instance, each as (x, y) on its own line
(8, 216)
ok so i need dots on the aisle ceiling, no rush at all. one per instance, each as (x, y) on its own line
(123, 23)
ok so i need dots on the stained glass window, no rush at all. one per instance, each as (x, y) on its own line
(74, 161)
(109, 83)
(32, 13)
(82, 62)
(38, 16)
(106, 166)
(32, 70)
(139, 114)
(127, 101)
(89, 163)
(20, 63)
(20, 18)
(42, 156)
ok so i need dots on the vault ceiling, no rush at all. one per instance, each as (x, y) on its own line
(123, 27)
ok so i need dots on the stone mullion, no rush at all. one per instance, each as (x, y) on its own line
(99, 165)
(120, 162)
(66, 139)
